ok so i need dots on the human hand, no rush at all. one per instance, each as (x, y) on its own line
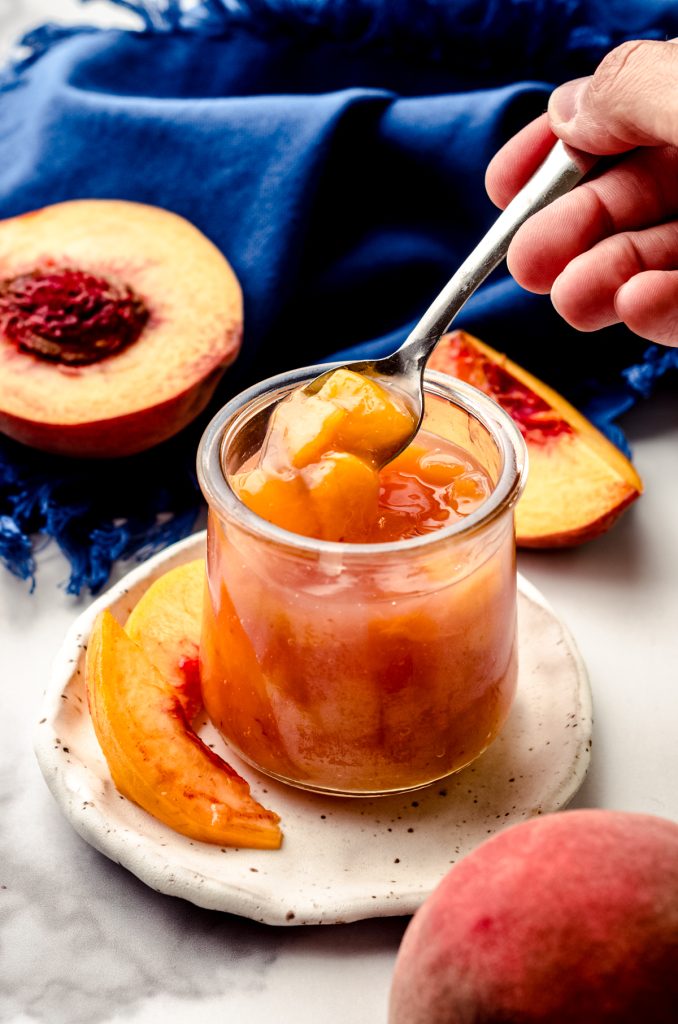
(607, 251)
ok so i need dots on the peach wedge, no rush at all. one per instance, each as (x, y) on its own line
(155, 758)
(166, 623)
(578, 482)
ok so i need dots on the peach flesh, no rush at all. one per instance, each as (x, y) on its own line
(147, 389)
(166, 622)
(154, 757)
(579, 482)
(570, 919)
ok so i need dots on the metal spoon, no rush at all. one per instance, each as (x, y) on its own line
(404, 368)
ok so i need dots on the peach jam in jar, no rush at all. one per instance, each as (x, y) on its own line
(368, 644)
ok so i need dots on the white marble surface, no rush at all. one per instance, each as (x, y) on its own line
(84, 942)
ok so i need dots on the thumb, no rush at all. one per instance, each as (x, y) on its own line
(631, 100)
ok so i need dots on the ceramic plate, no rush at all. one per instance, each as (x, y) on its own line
(341, 859)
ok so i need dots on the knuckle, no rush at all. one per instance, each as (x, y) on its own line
(629, 253)
(621, 67)
(598, 210)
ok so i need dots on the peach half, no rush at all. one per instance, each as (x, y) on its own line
(578, 481)
(155, 758)
(117, 321)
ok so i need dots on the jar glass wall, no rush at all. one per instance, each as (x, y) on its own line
(361, 669)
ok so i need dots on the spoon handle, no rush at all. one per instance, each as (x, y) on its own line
(560, 171)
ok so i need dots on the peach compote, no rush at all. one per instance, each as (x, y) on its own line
(317, 471)
(369, 648)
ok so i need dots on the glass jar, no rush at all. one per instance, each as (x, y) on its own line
(361, 669)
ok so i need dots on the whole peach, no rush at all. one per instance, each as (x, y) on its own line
(571, 919)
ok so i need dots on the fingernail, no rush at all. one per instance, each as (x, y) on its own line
(565, 100)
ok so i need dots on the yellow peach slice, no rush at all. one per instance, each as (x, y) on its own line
(437, 468)
(578, 481)
(316, 474)
(155, 758)
(344, 493)
(166, 623)
(282, 500)
(350, 413)
(302, 428)
(374, 421)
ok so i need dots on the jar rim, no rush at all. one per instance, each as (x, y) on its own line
(220, 496)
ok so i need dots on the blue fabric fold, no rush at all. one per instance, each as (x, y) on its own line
(335, 152)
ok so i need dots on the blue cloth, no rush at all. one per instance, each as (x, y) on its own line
(334, 150)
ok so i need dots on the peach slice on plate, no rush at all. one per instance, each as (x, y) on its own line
(155, 758)
(166, 623)
(117, 321)
(578, 481)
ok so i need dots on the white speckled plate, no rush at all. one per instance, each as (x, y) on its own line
(341, 859)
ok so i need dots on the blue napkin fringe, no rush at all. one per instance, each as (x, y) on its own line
(439, 28)
(44, 497)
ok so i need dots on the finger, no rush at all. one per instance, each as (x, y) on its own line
(648, 305)
(639, 191)
(629, 101)
(585, 294)
(517, 160)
